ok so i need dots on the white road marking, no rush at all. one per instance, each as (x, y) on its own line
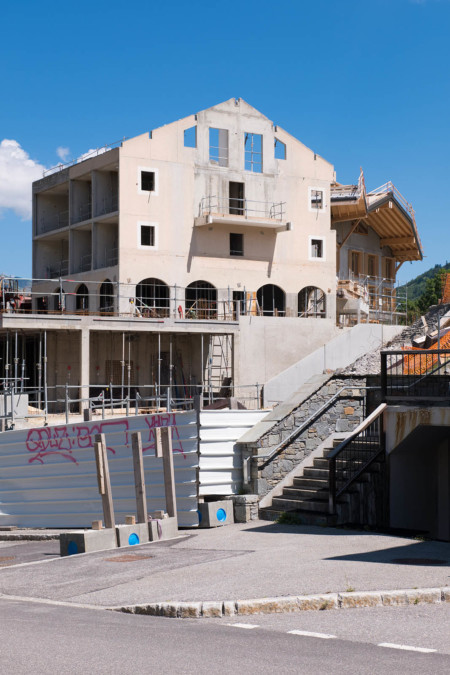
(306, 633)
(391, 645)
(243, 625)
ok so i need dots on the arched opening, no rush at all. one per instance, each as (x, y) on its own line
(106, 304)
(271, 300)
(201, 301)
(312, 303)
(82, 299)
(58, 300)
(152, 298)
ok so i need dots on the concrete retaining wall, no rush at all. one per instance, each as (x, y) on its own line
(339, 352)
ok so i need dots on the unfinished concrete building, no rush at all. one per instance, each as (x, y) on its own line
(178, 259)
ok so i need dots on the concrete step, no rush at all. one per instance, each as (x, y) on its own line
(300, 504)
(303, 517)
(312, 472)
(320, 463)
(305, 493)
(305, 482)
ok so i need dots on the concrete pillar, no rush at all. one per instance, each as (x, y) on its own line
(84, 366)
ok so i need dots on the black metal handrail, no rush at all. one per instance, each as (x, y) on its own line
(355, 454)
(417, 373)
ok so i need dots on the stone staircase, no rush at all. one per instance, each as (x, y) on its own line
(307, 495)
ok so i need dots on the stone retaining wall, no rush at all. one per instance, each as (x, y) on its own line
(344, 415)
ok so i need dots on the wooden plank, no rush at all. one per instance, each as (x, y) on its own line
(169, 476)
(100, 469)
(158, 443)
(139, 478)
(107, 501)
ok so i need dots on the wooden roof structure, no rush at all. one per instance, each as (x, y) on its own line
(385, 210)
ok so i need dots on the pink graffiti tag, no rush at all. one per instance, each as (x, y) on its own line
(64, 440)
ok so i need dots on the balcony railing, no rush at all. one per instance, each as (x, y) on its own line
(58, 270)
(53, 222)
(108, 205)
(249, 208)
(83, 212)
(110, 258)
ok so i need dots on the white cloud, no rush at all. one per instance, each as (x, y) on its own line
(92, 152)
(17, 172)
(63, 153)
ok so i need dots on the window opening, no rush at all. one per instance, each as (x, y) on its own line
(317, 199)
(280, 149)
(372, 265)
(362, 229)
(236, 194)
(107, 297)
(201, 301)
(253, 152)
(152, 298)
(355, 263)
(271, 300)
(147, 235)
(236, 244)
(389, 268)
(316, 248)
(218, 146)
(148, 181)
(311, 303)
(82, 299)
(190, 137)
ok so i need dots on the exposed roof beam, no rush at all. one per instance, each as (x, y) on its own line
(407, 254)
(352, 229)
(394, 241)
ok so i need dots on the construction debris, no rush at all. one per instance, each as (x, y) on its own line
(420, 330)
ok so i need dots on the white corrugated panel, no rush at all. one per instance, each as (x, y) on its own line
(48, 475)
(220, 459)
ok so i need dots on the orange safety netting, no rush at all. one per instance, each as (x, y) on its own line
(419, 364)
(446, 291)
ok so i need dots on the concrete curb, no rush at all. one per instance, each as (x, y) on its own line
(28, 537)
(294, 603)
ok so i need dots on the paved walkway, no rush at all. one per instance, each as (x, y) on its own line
(253, 560)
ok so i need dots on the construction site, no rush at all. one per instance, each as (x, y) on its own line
(215, 268)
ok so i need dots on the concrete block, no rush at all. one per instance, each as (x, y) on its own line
(229, 608)
(130, 535)
(86, 541)
(212, 609)
(267, 605)
(325, 601)
(162, 528)
(215, 514)
(363, 599)
(189, 610)
(426, 595)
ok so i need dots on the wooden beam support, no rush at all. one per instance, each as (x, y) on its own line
(104, 483)
(352, 229)
(398, 267)
(139, 477)
(395, 241)
(169, 475)
(407, 255)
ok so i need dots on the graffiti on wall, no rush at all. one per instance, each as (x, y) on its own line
(65, 440)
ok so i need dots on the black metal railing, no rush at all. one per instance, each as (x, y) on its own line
(417, 374)
(352, 457)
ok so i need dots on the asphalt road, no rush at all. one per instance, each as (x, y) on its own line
(45, 638)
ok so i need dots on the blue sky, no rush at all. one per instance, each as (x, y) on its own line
(362, 82)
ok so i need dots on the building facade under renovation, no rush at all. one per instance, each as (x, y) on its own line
(206, 256)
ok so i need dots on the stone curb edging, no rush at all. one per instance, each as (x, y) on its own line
(294, 603)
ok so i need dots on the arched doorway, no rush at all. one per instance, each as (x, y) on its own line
(271, 300)
(153, 298)
(106, 303)
(82, 299)
(312, 303)
(201, 300)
